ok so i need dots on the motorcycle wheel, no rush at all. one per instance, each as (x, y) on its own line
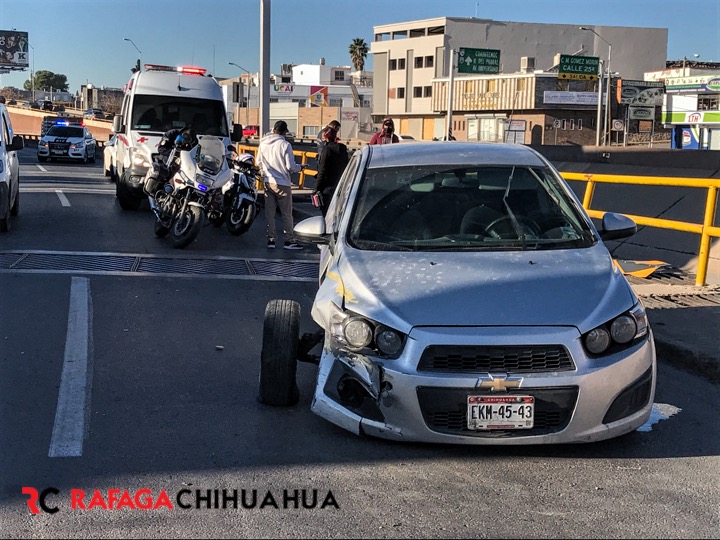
(161, 229)
(239, 221)
(278, 358)
(187, 227)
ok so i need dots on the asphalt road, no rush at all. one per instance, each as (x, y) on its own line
(166, 395)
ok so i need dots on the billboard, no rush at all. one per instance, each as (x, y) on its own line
(640, 93)
(14, 50)
(479, 61)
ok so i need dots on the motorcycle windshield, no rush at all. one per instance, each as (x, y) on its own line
(211, 155)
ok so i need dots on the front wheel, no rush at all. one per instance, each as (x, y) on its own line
(125, 198)
(187, 226)
(278, 358)
(238, 220)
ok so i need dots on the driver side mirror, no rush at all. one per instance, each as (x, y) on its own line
(18, 143)
(117, 123)
(237, 133)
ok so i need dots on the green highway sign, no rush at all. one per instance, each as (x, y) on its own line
(478, 61)
(584, 68)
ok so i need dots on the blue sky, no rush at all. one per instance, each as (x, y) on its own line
(84, 39)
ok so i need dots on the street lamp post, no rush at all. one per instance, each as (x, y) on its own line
(247, 102)
(136, 48)
(32, 73)
(608, 86)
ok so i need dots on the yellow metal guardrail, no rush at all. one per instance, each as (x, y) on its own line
(706, 229)
(304, 156)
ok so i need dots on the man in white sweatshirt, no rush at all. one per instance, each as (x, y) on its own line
(277, 163)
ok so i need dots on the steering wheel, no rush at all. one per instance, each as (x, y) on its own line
(530, 225)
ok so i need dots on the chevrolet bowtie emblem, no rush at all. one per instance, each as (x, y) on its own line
(498, 382)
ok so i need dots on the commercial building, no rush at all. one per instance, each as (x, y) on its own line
(411, 69)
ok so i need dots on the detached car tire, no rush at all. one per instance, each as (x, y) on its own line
(278, 359)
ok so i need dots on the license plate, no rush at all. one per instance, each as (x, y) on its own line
(500, 412)
(58, 151)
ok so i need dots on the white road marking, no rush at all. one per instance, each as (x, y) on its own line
(43, 169)
(71, 414)
(63, 199)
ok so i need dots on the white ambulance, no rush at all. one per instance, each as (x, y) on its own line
(158, 99)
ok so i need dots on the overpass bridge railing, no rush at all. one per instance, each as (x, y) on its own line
(707, 229)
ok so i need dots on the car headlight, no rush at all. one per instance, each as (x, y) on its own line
(77, 145)
(618, 332)
(358, 333)
(43, 144)
(140, 160)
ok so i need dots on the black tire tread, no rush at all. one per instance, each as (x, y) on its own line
(278, 359)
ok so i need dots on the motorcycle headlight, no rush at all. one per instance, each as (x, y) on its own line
(618, 332)
(358, 333)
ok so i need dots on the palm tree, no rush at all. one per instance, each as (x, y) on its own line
(358, 52)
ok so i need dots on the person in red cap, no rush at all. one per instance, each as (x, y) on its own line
(387, 134)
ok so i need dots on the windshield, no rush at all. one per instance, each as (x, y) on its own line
(437, 208)
(210, 155)
(163, 113)
(65, 131)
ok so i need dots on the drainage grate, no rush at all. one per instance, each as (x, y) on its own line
(114, 263)
(194, 266)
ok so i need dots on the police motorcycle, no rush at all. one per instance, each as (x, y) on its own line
(240, 206)
(185, 184)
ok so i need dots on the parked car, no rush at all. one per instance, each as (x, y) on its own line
(9, 170)
(12, 102)
(251, 131)
(109, 155)
(45, 105)
(406, 138)
(94, 113)
(465, 297)
(67, 141)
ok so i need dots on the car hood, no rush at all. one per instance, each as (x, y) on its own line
(578, 287)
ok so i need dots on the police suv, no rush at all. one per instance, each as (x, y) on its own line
(64, 140)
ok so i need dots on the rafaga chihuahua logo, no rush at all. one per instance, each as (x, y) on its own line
(50, 499)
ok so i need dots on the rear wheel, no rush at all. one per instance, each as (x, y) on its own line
(92, 159)
(5, 220)
(15, 210)
(278, 359)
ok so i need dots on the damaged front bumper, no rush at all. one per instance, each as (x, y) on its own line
(391, 399)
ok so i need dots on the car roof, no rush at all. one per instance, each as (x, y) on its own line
(452, 153)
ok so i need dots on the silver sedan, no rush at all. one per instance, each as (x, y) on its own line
(465, 297)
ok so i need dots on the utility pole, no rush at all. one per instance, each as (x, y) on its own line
(448, 129)
(264, 67)
(599, 105)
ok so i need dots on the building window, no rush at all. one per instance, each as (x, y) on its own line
(427, 91)
(417, 32)
(400, 93)
(310, 131)
(562, 86)
(428, 61)
(417, 91)
(418, 61)
(436, 30)
(339, 75)
(708, 103)
(335, 102)
(572, 124)
(579, 123)
(393, 65)
(401, 63)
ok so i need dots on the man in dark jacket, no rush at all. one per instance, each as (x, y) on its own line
(320, 142)
(331, 164)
